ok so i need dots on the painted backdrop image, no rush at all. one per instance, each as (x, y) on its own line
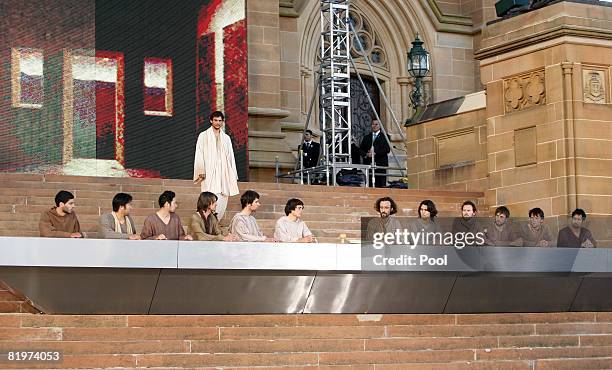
(119, 88)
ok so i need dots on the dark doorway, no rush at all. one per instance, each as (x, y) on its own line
(362, 114)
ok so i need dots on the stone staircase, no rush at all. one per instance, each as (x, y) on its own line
(580, 340)
(329, 211)
(491, 341)
(14, 302)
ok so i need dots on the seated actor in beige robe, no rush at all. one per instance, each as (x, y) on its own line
(118, 224)
(291, 227)
(244, 225)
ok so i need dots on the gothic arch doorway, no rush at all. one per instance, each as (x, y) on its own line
(361, 111)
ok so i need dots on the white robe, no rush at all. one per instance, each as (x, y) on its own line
(218, 164)
(290, 231)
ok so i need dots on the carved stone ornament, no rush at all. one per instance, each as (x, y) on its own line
(524, 91)
(593, 86)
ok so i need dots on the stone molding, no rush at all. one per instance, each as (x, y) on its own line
(593, 85)
(442, 22)
(267, 134)
(268, 112)
(524, 91)
(555, 21)
(288, 8)
(449, 148)
(540, 38)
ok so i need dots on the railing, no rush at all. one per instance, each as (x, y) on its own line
(307, 175)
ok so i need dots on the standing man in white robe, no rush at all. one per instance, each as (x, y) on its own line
(214, 167)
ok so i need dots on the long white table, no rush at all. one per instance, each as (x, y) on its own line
(172, 277)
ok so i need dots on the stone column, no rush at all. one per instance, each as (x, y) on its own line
(569, 134)
(266, 141)
(306, 89)
(406, 85)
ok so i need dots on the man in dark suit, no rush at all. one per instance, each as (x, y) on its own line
(311, 150)
(380, 151)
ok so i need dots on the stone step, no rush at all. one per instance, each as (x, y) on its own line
(329, 211)
(11, 302)
(445, 341)
(141, 208)
(265, 225)
(77, 181)
(323, 236)
(580, 320)
(63, 179)
(19, 195)
(32, 213)
(36, 205)
(277, 203)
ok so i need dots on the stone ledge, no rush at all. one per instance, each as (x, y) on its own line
(445, 22)
(268, 112)
(293, 126)
(451, 107)
(287, 8)
(267, 134)
(268, 164)
(539, 38)
(554, 21)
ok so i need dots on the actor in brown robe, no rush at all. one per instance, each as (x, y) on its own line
(535, 233)
(500, 232)
(60, 221)
(575, 235)
(468, 223)
(204, 224)
(165, 224)
(386, 223)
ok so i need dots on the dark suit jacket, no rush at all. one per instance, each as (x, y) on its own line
(381, 149)
(311, 154)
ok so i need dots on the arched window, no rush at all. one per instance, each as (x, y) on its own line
(370, 41)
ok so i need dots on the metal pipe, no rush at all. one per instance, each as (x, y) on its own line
(308, 117)
(377, 117)
(358, 42)
(301, 154)
(277, 169)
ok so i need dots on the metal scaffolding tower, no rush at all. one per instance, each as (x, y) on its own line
(335, 86)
